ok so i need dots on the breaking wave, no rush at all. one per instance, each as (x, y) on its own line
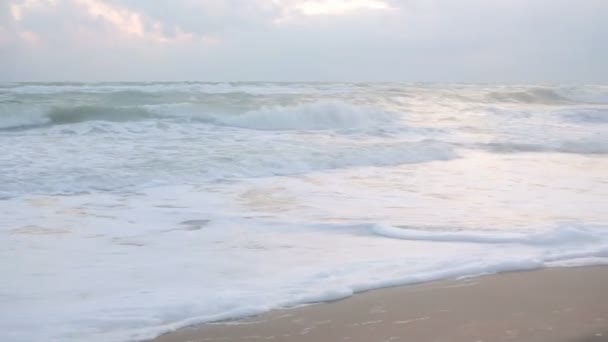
(28, 118)
(92, 113)
(211, 160)
(313, 116)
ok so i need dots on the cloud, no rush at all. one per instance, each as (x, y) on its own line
(108, 17)
(18, 8)
(328, 7)
(402, 40)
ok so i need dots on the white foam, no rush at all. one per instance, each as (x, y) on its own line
(123, 267)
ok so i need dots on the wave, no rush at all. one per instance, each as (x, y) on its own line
(590, 94)
(590, 146)
(20, 118)
(564, 234)
(549, 95)
(539, 94)
(91, 113)
(326, 274)
(528, 96)
(209, 160)
(586, 115)
(253, 88)
(314, 116)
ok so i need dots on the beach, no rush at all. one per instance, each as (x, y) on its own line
(549, 305)
(303, 170)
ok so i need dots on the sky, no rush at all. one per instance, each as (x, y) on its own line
(490, 41)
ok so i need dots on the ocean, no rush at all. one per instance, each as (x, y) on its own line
(131, 209)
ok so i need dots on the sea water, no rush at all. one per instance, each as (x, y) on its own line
(131, 209)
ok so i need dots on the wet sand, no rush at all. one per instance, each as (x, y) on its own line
(552, 305)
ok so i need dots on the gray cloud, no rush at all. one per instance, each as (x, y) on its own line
(415, 40)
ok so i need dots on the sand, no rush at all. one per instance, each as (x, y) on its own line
(553, 305)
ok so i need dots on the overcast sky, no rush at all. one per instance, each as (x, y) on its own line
(518, 41)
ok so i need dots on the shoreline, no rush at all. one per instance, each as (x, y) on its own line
(568, 304)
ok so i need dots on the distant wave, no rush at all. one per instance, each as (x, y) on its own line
(254, 88)
(528, 96)
(539, 95)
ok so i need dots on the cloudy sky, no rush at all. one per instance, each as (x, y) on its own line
(305, 40)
